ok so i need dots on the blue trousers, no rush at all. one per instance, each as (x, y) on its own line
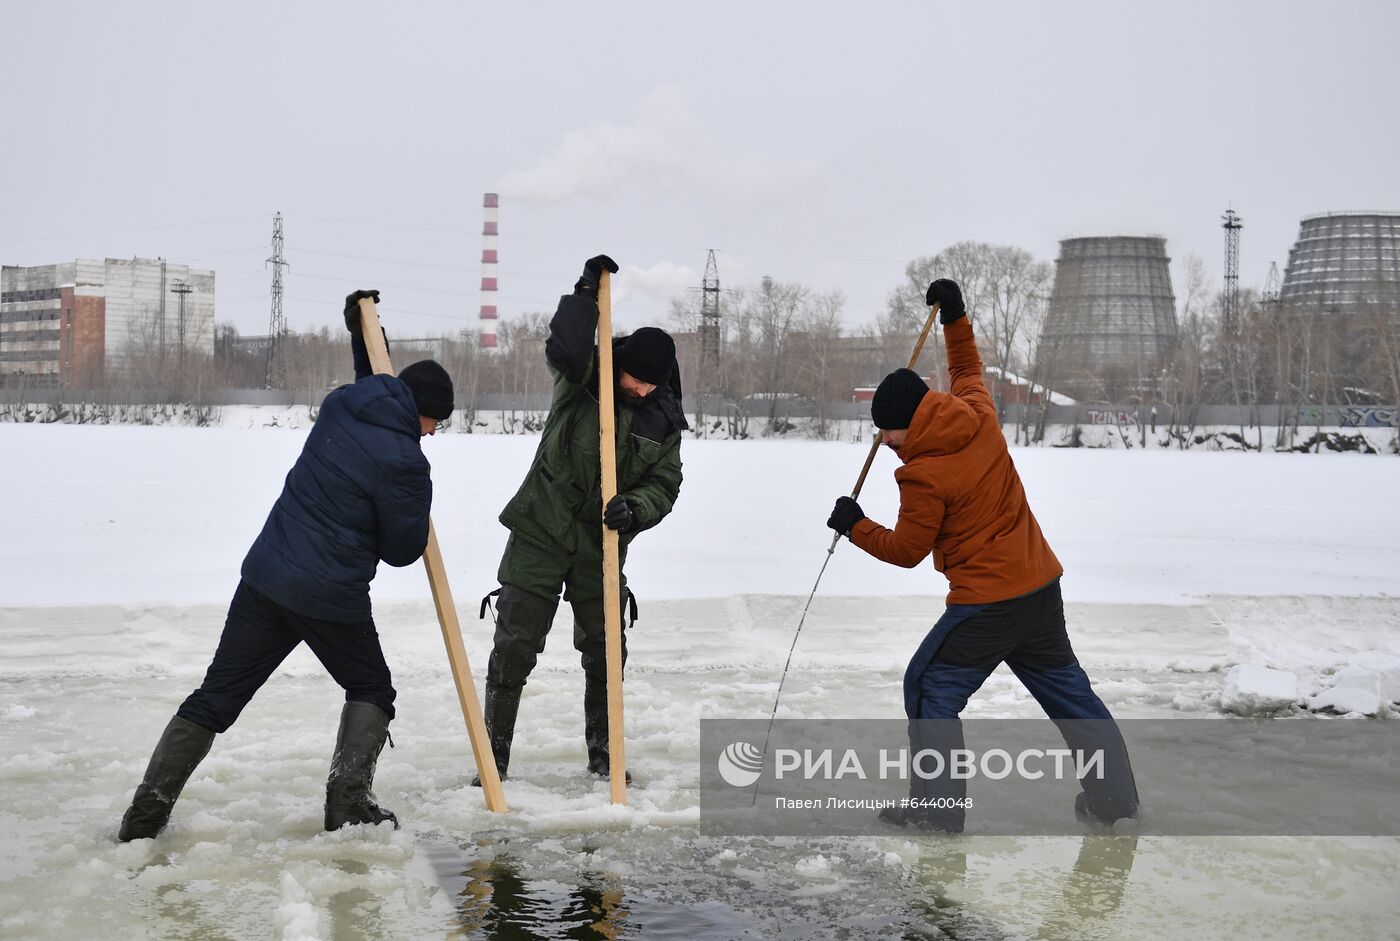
(258, 635)
(1028, 634)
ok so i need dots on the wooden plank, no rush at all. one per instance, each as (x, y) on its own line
(446, 611)
(612, 570)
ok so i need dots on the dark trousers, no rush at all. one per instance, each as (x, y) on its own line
(258, 635)
(523, 621)
(1028, 634)
(531, 579)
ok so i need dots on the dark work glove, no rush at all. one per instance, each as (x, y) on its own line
(593, 273)
(948, 295)
(845, 516)
(352, 308)
(618, 515)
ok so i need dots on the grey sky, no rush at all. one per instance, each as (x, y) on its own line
(824, 143)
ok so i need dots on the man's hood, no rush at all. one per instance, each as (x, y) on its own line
(666, 399)
(385, 401)
(942, 424)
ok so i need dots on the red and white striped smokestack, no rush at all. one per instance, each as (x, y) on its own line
(487, 338)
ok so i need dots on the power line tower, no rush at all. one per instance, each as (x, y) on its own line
(1272, 285)
(709, 315)
(181, 289)
(1230, 308)
(707, 364)
(277, 323)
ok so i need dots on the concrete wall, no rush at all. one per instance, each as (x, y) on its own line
(143, 310)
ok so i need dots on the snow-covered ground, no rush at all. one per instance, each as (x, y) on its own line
(121, 548)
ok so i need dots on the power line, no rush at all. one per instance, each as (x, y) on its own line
(139, 228)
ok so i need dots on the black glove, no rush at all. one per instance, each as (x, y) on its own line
(618, 515)
(593, 273)
(845, 516)
(352, 308)
(948, 295)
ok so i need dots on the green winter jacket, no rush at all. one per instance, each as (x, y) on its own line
(563, 488)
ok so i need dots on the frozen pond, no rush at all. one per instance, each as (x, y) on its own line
(245, 856)
(1179, 568)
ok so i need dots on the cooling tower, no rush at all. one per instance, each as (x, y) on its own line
(1345, 261)
(1111, 318)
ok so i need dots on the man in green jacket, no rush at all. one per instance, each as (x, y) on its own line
(556, 518)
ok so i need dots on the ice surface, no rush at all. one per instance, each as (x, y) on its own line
(120, 558)
(1254, 690)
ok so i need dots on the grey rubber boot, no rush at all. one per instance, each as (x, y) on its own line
(181, 748)
(363, 729)
(502, 706)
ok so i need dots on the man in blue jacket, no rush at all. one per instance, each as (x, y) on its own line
(359, 493)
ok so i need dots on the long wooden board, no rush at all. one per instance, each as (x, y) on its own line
(446, 611)
(612, 569)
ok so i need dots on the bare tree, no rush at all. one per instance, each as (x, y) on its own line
(818, 378)
(1005, 289)
(1015, 288)
(774, 310)
(521, 369)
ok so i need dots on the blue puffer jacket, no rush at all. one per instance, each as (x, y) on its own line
(359, 493)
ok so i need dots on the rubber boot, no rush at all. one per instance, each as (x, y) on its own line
(181, 748)
(501, 707)
(595, 727)
(363, 729)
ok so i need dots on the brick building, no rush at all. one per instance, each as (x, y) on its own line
(75, 323)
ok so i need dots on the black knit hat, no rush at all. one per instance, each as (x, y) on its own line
(649, 354)
(431, 387)
(897, 399)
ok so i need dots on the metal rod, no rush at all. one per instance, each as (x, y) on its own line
(831, 550)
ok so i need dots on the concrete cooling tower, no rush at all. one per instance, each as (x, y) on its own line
(1111, 319)
(1345, 261)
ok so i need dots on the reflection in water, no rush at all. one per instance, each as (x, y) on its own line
(353, 913)
(499, 896)
(496, 902)
(1092, 892)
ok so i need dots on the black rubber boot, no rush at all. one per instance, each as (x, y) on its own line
(181, 748)
(363, 729)
(595, 727)
(501, 707)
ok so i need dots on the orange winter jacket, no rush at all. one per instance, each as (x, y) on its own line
(960, 496)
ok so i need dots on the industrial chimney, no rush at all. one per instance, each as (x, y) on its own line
(487, 329)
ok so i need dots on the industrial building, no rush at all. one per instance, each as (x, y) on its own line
(1345, 261)
(1111, 319)
(80, 322)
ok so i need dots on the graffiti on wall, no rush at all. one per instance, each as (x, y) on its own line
(1109, 416)
(1350, 416)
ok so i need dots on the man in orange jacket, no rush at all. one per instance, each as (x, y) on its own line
(961, 499)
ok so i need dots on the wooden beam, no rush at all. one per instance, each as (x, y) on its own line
(446, 610)
(612, 569)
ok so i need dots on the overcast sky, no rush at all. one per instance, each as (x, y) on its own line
(821, 143)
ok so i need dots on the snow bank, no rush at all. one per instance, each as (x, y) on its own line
(132, 515)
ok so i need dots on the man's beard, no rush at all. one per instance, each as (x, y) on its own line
(630, 400)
